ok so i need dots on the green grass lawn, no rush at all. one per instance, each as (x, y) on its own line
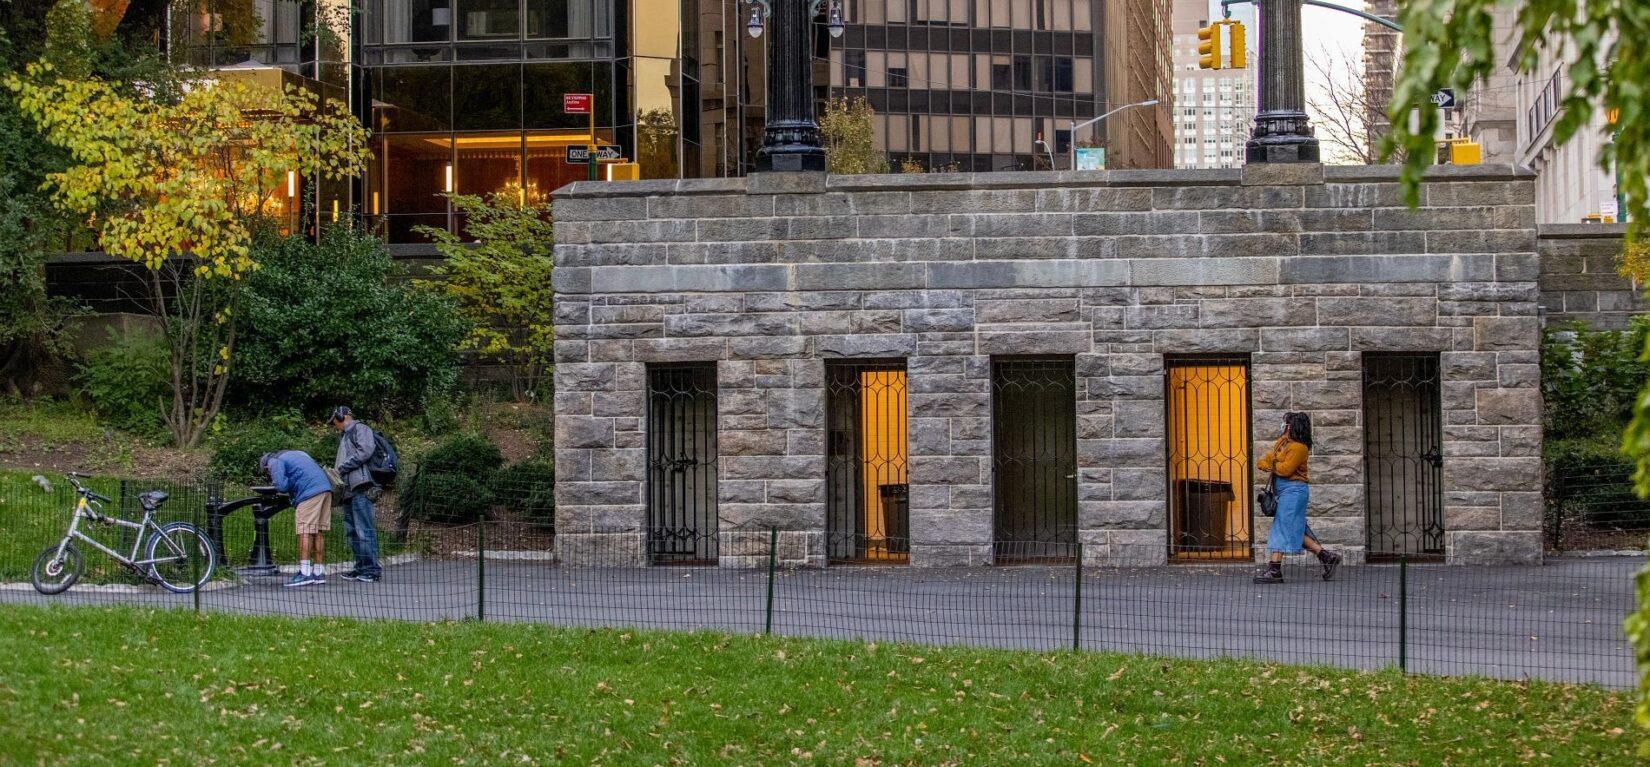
(126, 686)
(32, 519)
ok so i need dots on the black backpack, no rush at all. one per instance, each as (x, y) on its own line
(384, 464)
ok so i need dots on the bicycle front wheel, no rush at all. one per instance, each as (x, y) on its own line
(53, 574)
(186, 557)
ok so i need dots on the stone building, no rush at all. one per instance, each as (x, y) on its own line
(971, 369)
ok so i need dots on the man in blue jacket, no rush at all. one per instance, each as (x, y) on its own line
(297, 475)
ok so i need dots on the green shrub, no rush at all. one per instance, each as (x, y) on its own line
(236, 449)
(470, 454)
(453, 483)
(529, 489)
(1590, 379)
(235, 452)
(127, 382)
(330, 323)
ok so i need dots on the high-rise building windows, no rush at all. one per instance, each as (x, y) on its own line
(488, 19)
(1022, 73)
(853, 67)
(897, 77)
(1054, 74)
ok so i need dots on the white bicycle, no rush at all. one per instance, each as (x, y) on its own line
(177, 555)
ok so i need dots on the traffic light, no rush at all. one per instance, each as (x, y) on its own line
(1240, 55)
(1208, 46)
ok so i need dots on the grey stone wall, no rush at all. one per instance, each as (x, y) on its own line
(1302, 268)
(1579, 282)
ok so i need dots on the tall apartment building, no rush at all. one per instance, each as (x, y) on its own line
(1489, 114)
(1214, 110)
(1570, 186)
(1383, 49)
(974, 84)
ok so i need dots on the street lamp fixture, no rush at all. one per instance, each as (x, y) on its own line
(1043, 145)
(1071, 148)
(761, 9)
(790, 139)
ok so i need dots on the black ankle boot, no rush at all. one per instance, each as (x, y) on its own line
(1272, 574)
(1330, 560)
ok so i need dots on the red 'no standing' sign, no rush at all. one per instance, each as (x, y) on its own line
(575, 103)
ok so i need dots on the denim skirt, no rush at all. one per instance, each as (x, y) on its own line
(1289, 526)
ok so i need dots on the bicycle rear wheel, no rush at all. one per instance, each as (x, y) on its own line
(53, 574)
(188, 554)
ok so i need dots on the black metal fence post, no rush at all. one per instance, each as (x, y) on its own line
(1077, 602)
(1403, 614)
(481, 570)
(195, 563)
(773, 554)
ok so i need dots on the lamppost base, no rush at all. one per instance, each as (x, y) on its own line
(797, 162)
(1281, 149)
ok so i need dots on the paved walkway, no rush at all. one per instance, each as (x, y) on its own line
(1559, 622)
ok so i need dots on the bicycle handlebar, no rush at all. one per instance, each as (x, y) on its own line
(74, 479)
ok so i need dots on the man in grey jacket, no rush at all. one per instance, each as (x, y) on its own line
(355, 448)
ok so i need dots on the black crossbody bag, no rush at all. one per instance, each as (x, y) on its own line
(1269, 496)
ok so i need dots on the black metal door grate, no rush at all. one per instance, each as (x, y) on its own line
(1403, 455)
(1207, 407)
(681, 461)
(867, 512)
(1034, 458)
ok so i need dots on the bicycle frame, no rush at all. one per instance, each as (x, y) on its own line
(83, 510)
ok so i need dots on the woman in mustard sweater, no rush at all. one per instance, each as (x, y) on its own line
(1287, 460)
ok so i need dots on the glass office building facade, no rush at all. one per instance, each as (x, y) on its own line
(465, 96)
(974, 85)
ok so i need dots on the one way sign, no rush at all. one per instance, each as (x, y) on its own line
(580, 155)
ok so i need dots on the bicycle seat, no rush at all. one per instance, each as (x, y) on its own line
(152, 499)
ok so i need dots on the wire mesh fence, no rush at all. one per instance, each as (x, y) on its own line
(1560, 621)
(1593, 508)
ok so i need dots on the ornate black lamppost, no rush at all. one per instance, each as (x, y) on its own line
(1281, 133)
(790, 140)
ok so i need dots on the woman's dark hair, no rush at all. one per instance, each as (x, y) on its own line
(1300, 427)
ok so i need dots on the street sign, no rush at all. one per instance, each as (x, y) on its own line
(575, 103)
(1091, 158)
(1444, 99)
(580, 155)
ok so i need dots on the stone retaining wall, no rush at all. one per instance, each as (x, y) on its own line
(1579, 282)
(1301, 268)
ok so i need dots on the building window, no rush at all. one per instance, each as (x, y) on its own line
(1054, 74)
(488, 19)
(897, 78)
(1022, 73)
(1002, 77)
(853, 67)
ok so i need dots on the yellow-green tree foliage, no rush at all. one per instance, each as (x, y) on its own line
(499, 272)
(850, 140)
(175, 176)
(1604, 46)
(656, 138)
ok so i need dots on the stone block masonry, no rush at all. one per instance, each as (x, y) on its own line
(1302, 275)
(1579, 282)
